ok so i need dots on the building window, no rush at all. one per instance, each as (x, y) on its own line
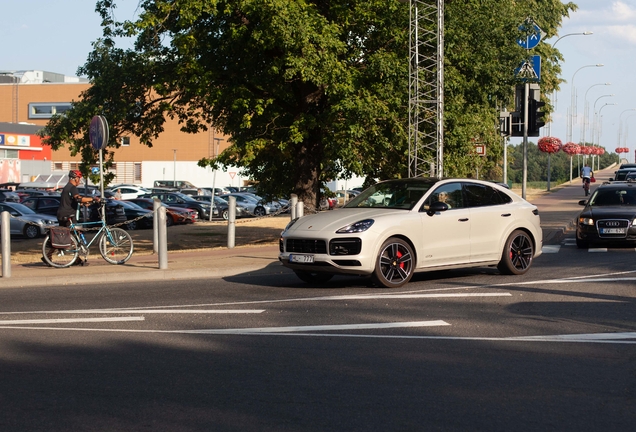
(8, 154)
(74, 166)
(125, 141)
(58, 166)
(43, 110)
(137, 173)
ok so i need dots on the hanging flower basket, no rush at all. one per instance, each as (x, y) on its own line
(622, 150)
(601, 151)
(587, 150)
(571, 148)
(550, 144)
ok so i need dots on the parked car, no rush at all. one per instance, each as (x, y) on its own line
(222, 206)
(43, 204)
(177, 199)
(25, 221)
(398, 227)
(9, 196)
(178, 184)
(139, 217)
(608, 216)
(174, 215)
(622, 173)
(128, 192)
(344, 197)
(26, 193)
(253, 205)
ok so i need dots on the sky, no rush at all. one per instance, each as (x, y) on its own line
(56, 36)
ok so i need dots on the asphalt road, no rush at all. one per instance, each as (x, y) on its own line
(554, 349)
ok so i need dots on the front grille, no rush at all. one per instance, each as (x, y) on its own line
(306, 246)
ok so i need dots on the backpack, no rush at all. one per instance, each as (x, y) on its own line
(60, 237)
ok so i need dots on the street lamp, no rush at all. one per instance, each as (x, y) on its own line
(586, 111)
(595, 114)
(572, 99)
(554, 100)
(600, 122)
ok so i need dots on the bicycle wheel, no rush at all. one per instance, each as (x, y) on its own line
(59, 258)
(116, 246)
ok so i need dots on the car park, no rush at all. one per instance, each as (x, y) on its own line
(398, 227)
(174, 215)
(137, 217)
(129, 192)
(254, 205)
(9, 196)
(222, 207)
(25, 221)
(177, 199)
(608, 216)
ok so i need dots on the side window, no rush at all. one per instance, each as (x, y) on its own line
(450, 193)
(29, 203)
(49, 202)
(478, 195)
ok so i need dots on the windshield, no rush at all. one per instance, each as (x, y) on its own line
(130, 205)
(614, 197)
(22, 208)
(185, 197)
(394, 194)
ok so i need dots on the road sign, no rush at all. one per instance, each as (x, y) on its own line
(232, 174)
(480, 149)
(98, 132)
(532, 37)
(530, 70)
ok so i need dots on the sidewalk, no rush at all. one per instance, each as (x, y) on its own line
(558, 210)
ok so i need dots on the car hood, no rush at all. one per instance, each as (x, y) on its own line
(611, 212)
(334, 220)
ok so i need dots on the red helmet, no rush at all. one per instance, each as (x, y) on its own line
(74, 174)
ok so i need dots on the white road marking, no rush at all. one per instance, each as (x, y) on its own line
(321, 328)
(69, 320)
(143, 311)
(551, 248)
(597, 250)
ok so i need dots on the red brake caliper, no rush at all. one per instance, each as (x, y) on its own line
(399, 255)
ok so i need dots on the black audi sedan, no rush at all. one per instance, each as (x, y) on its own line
(609, 216)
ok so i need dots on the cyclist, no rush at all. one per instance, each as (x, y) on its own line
(586, 175)
(71, 198)
(69, 201)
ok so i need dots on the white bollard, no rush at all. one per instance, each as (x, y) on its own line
(231, 222)
(292, 206)
(5, 232)
(163, 238)
(300, 209)
(155, 227)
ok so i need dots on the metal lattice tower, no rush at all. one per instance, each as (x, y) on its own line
(426, 88)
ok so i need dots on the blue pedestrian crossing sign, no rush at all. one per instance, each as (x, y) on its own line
(529, 70)
(532, 36)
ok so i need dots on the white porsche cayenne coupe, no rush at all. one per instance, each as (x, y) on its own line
(398, 227)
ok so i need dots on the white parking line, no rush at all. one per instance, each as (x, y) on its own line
(550, 249)
(321, 328)
(143, 311)
(597, 250)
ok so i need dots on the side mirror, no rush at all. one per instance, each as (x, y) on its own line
(611, 179)
(583, 202)
(436, 207)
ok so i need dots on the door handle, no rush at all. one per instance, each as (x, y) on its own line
(463, 220)
(506, 214)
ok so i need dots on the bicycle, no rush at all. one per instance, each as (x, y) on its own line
(115, 244)
(586, 185)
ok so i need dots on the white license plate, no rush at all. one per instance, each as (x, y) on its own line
(612, 230)
(301, 258)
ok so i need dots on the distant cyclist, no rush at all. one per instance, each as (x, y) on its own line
(586, 175)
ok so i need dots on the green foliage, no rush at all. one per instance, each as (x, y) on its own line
(307, 90)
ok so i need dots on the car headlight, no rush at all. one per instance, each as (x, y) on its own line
(586, 221)
(356, 227)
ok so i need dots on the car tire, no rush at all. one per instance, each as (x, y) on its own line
(259, 211)
(202, 215)
(169, 220)
(313, 277)
(395, 263)
(31, 231)
(131, 226)
(226, 214)
(517, 254)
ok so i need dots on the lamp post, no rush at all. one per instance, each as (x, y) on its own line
(573, 100)
(549, 128)
(600, 124)
(586, 111)
(595, 114)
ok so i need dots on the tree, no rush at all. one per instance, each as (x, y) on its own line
(307, 90)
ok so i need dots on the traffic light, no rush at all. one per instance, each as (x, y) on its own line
(535, 117)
